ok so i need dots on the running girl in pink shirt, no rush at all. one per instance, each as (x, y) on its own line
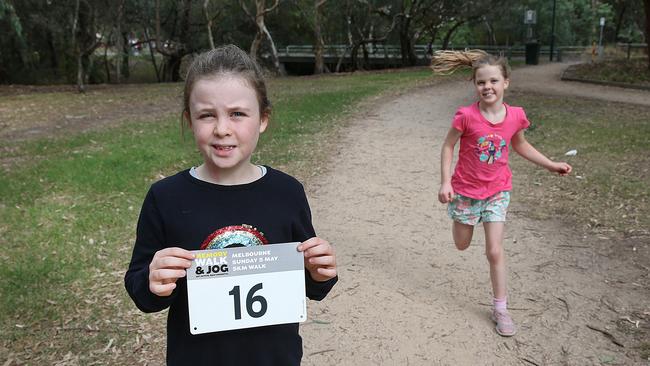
(479, 189)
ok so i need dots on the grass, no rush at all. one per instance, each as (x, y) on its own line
(608, 189)
(61, 106)
(634, 71)
(69, 212)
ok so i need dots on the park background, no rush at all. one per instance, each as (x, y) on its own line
(99, 41)
(90, 117)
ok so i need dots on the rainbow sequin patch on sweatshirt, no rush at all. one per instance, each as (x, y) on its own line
(234, 236)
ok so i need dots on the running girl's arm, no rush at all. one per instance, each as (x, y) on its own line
(526, 150)
(446, 193)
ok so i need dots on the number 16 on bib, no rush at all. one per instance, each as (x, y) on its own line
(246, 287)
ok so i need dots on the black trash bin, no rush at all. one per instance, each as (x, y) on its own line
(532, 53)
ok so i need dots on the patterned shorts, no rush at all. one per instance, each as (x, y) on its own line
(470, 211)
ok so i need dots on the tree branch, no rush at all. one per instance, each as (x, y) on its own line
(266, 11)
(245, 9)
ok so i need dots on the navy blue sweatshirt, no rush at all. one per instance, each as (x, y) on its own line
(182, 211)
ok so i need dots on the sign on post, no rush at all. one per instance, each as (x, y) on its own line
(530, 17)
(600, 39)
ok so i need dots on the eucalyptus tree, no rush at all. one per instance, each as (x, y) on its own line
(313, 15)
(261, 11)
(646, 4)
(409, 16)
(212, 12)
(139, 18)
(175, 37)
(52, 39)
(319, 43)
(368, 23)
(441, 16)
(84, 38)
(13, 41)
(635, 23)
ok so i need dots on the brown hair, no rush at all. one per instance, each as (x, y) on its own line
(227, 60)
(446, 62)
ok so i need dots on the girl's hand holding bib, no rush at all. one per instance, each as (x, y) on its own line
(320, 260)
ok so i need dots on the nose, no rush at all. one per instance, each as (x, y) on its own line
(222, 127)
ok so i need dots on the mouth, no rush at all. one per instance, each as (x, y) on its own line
(223, 147)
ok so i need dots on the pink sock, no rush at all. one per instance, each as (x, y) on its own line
(500, 305)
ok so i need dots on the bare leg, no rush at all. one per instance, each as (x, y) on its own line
(496, 257)
(462, 235)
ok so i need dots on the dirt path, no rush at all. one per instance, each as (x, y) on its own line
(406, 296)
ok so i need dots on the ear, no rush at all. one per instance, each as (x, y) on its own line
(186, 117)
(506, 82)
(264, 122)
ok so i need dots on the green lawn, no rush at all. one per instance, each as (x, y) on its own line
(634, 71)
(608, 189)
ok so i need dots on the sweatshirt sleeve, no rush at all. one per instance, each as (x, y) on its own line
(318, 290)
(149, 239)
(302, 231)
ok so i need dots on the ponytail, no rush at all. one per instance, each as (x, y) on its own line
(446, 62)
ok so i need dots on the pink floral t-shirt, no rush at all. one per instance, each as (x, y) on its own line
(482, 169)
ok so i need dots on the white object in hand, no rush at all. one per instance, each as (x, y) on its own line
(571, 153)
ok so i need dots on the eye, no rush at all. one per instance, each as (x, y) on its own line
(238, 114)
(205, 115)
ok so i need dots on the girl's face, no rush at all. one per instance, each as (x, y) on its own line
(226, 122)
(490, 84)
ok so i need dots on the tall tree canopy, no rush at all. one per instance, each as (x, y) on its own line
(97, 40)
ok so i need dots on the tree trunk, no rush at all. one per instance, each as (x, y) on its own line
(646, 4)
(407, 48)
(209, 23)
(151, 53)
(257, 42)
(319, 64)
(107, 67)
(274, 52)
(619, 21)
(492, 40)
(54, 59)
(171, 68)
(19, 45)
(118, 42)
(158, 43)
(126, 50)
(353, 56)
(350, 39)
(432, 39)
(450, 32)
(81, 87)
(173, 56)
(262, 31)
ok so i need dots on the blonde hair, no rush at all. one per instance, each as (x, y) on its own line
(446, 62)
